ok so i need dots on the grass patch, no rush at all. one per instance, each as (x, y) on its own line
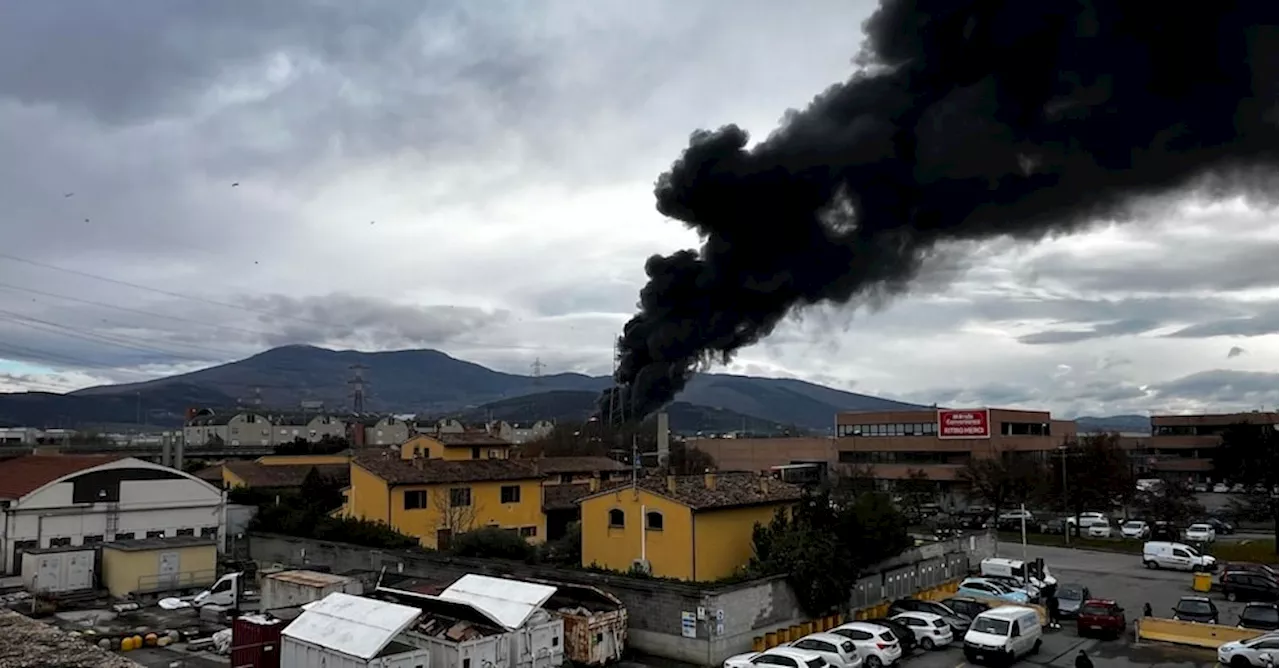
(1256, 551)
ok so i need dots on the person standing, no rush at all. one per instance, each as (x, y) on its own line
(1083, 660)
(1050, 593)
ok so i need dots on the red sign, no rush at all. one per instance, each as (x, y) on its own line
(964, 424)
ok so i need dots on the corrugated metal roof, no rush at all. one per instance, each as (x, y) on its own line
(511, 602)
(352, 625)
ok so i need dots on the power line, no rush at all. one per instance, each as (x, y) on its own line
(116, 340)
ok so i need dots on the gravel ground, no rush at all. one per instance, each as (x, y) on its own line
(34, 644)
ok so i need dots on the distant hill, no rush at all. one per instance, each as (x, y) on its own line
(571, 405)
(413, 381)
(1114, 423)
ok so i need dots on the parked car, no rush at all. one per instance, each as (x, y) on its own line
(1221, 488)
(1196, 609)
(1248, 586)
(1261, 616)
(981, 587)
(1163, 554)
(1200, 487)
(1198, 533)
(1248, 567)
(1100, 617)
(969, 607)
(1237, 488)
(1070, 597)
(1220, 526)
(1003, 634)
(838, 650)
(777, 656)
(877, 646)
(1054, 526)
(1254, 652)
(931, 631)
(1164, 531)
(958, 621)
(1135, 529)
(906, 639)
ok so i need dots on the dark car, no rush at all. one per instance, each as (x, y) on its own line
(1247, 566)
(1196, 609)
(1220, 526)
(969, 607)
(1070, 597)
(1248, 586)
(899, 630)
(1165, 531)
(1100, 617)
(958, 621)
(1260, 616)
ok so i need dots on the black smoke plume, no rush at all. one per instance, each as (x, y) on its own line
(965, 121)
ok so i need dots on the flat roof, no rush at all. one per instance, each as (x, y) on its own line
(142, 544)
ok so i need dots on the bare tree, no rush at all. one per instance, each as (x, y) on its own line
(457, 511)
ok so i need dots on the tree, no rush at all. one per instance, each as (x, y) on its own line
(327, 445)
(1003, 481)
(1248, 454)
(1099, 475)
(915, 490)
(826, 542)
(1171, 501)
(456, 508)
(568, 439)
(492, 543)
(685, 459)
(319, 493)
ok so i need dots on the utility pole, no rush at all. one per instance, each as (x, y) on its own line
(257, 397)
(357, 387)
(635, 460)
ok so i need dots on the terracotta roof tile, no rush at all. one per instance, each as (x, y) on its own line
(468, 438)
(732, 489)
(21, 476)
(286, 475)
(564, 497)
(577, 464)
(397, 471)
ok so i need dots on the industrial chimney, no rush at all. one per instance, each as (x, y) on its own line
(664, 439)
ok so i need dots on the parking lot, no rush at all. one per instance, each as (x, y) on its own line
(1115, 576)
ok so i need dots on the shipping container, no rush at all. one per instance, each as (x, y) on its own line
(58, 570)
(290, 589)
(344, 631)
(595, 623)
(255, 642)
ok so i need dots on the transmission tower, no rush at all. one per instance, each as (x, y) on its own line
(357, 383)
(537, 370)
(257, 397)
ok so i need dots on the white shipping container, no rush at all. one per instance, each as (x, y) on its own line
(290, 589)
(295, 653)
(58, 570)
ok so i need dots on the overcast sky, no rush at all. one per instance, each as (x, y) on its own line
(479, 180)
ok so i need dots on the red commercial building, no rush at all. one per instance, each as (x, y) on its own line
(1184, 444)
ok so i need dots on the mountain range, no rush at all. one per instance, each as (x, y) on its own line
(433, 383)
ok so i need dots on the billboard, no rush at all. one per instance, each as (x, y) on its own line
(975, 423)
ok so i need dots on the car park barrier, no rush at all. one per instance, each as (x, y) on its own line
(1191, 633)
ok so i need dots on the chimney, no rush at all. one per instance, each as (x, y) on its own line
(419, 463)
(594, 483)
(664, 439)
(709, 479)
(671, 484)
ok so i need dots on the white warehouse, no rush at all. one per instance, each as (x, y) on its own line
(69, 500)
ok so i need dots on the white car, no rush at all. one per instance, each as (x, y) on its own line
(789, 657)
(1199, 533)
(1259, 652)
(1095, 528)
(837, 650)
(931, 631)
(875, 644)
(1135, 529)
(1085, 518)
(1221, 488)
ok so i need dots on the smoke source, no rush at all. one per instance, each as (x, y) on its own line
(965, 121)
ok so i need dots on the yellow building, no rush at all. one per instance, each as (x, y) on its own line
(456, 446)
(695, 528)
(436, 499)
(154, 565)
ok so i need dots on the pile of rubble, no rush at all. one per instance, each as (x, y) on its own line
(451, 629)
(35, 645)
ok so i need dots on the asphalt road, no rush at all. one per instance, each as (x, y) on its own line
(1116, 576)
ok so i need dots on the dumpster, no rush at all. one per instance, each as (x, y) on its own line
(1202, 582)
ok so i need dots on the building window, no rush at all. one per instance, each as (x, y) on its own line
(128, 535)
(617, 518)
(566, 478)
(185, 532)
(528, 532)
(475, 453)
(156, 533)
(25, 545)
(653, 520)
(91, 540)
(511, 494)
(415, 499)
(61, 541)
(209, 532)
(460, 497)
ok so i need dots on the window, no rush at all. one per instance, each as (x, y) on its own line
(185, 532)
(555, 641)
(566, 478)
(528, 532)
(617, 518)
(128, 535)
(25, 545)
(460, 497)
(511, 494)
(91, 540)
(475, 453)
(653, 520)
(466, 663)
(415, 499)
(155, 533)
(209, 532)
(61, 541)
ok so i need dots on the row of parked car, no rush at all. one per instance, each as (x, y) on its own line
(1095, 524)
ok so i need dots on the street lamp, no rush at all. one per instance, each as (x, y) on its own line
(1066, 507)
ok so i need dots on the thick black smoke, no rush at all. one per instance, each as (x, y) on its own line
(970, 120)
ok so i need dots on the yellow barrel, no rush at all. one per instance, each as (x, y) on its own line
(126, 644)
(770, 639)
(757, 644)
(806, 628)
(1202, 582)
(784, 635)
(796, 632)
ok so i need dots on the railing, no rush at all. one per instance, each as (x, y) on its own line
(162, 582)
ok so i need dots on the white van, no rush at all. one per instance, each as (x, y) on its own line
(997, 567)
(1002, 635)
(1178, 556)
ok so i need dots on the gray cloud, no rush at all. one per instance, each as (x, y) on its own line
(1245, 389)
(1235, 351)
(1100, 331)
(1267, 321)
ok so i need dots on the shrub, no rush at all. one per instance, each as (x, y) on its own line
(492, 542)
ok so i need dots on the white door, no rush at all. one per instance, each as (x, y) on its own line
(48, 573)
(168, 570)
(79, 570)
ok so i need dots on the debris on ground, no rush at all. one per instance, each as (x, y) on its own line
(36, 645)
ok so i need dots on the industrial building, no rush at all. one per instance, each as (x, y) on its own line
(73, 500)
(1183, 444)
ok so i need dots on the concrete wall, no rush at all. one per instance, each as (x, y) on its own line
(724, 619)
